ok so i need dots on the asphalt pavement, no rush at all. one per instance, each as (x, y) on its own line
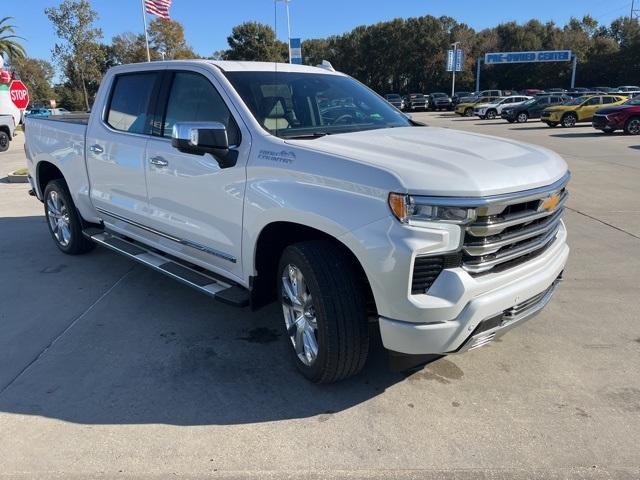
(108, 369)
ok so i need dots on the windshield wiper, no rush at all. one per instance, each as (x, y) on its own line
(302, 136)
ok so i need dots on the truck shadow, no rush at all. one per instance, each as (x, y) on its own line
(96, 339)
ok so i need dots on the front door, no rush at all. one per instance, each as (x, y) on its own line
(194, 202)
(588, 108)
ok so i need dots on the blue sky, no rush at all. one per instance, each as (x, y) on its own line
(208, 22)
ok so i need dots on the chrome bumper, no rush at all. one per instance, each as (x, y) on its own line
(496, 326)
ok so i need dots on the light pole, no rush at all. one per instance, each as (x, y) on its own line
(453, 70)
(286, 2)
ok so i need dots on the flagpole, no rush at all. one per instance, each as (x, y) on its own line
(146, 35)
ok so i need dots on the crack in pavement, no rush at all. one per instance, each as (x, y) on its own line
(61, 334)
(603, 222)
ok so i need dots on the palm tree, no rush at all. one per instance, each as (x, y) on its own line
(8, 40)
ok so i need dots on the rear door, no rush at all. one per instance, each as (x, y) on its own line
(116, 143)
(588, 108)
(194, 203)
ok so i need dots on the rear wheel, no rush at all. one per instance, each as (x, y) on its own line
(569, 120)
(63, 219)
(325, 311)
(632, 127)
(4, 141)
(523, 117)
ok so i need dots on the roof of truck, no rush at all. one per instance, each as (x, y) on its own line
(233, 66)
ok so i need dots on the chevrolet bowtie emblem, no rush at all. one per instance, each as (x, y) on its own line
(550, 203)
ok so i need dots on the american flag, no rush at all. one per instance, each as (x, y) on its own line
(158, 7)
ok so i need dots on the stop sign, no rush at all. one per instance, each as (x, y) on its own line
(19, 94)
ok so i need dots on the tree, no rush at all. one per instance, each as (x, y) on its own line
(37, 75)
(9, 45)
(255, 42)
(129, 48)
(79, 53)
(167, 36)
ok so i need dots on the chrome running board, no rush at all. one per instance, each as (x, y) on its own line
(206, 282)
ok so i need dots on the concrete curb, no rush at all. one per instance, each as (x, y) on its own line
(17, 178)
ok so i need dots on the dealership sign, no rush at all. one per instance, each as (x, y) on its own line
(295, 49)
(455, 60)
(528, 57)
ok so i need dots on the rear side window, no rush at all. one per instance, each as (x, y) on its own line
(194, 99)
(129, 106)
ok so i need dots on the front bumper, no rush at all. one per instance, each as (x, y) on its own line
(478, 305)
(442, 319)
(602, 122)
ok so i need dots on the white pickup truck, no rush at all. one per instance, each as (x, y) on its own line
(255, 182)
(7, 131)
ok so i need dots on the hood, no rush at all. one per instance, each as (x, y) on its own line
(559, 108)
(446, 162)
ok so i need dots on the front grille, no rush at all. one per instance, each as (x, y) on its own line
(510, 232)
(599, 121)
(427, 269)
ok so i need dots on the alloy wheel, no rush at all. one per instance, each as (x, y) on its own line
(634, 126)
(58, 217)
(299, 315)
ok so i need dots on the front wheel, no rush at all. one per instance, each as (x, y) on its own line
(4, 141)
(64, 220)
(325, 311)
(569, 120)
(491, 114)
(632, 127)
(523, 117)
(468, 112)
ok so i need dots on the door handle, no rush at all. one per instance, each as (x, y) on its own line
(158, 162)
(96, 148)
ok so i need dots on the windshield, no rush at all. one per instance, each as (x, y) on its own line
(633, 101)
(293, 104)
(393, 97)
(436, 95)
(416, 95)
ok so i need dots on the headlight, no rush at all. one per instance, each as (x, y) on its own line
(413, 210)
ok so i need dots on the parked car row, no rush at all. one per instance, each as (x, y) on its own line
(606, 112)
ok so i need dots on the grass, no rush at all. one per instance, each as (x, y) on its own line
(21, 171)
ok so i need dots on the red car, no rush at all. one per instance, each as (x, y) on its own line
(622, 117)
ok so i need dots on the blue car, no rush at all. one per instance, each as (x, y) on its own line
(39, 112)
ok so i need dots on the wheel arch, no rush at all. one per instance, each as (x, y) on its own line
(46, 172)
(271, 242)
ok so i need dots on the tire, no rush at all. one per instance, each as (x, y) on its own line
(510, 120)
(523, 117)
(551, 124)
(63, 220)
(332, 304)
(632, 127)
(608, 131)
(468, 112)
(4, 141)
(569, 120)
(491, 114)
(482, 117)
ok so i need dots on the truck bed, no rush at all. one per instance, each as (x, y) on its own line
(81, 118)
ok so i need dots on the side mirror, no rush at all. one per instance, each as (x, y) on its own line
(199, 138)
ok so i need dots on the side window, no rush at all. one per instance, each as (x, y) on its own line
(609, 100)
(129, 105)
(194, 99)
(544, 101)
(593, 101)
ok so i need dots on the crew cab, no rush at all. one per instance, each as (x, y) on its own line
(624, 117)
(531, 108)
(493, 110)
(579, 109)
(231, 178)
(7, 131)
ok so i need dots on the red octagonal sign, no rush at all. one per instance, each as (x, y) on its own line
(19, 94)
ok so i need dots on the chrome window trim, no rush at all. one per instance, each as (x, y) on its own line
(503, 199)
(181, 241)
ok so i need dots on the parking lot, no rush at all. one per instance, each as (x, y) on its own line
(110, 369)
